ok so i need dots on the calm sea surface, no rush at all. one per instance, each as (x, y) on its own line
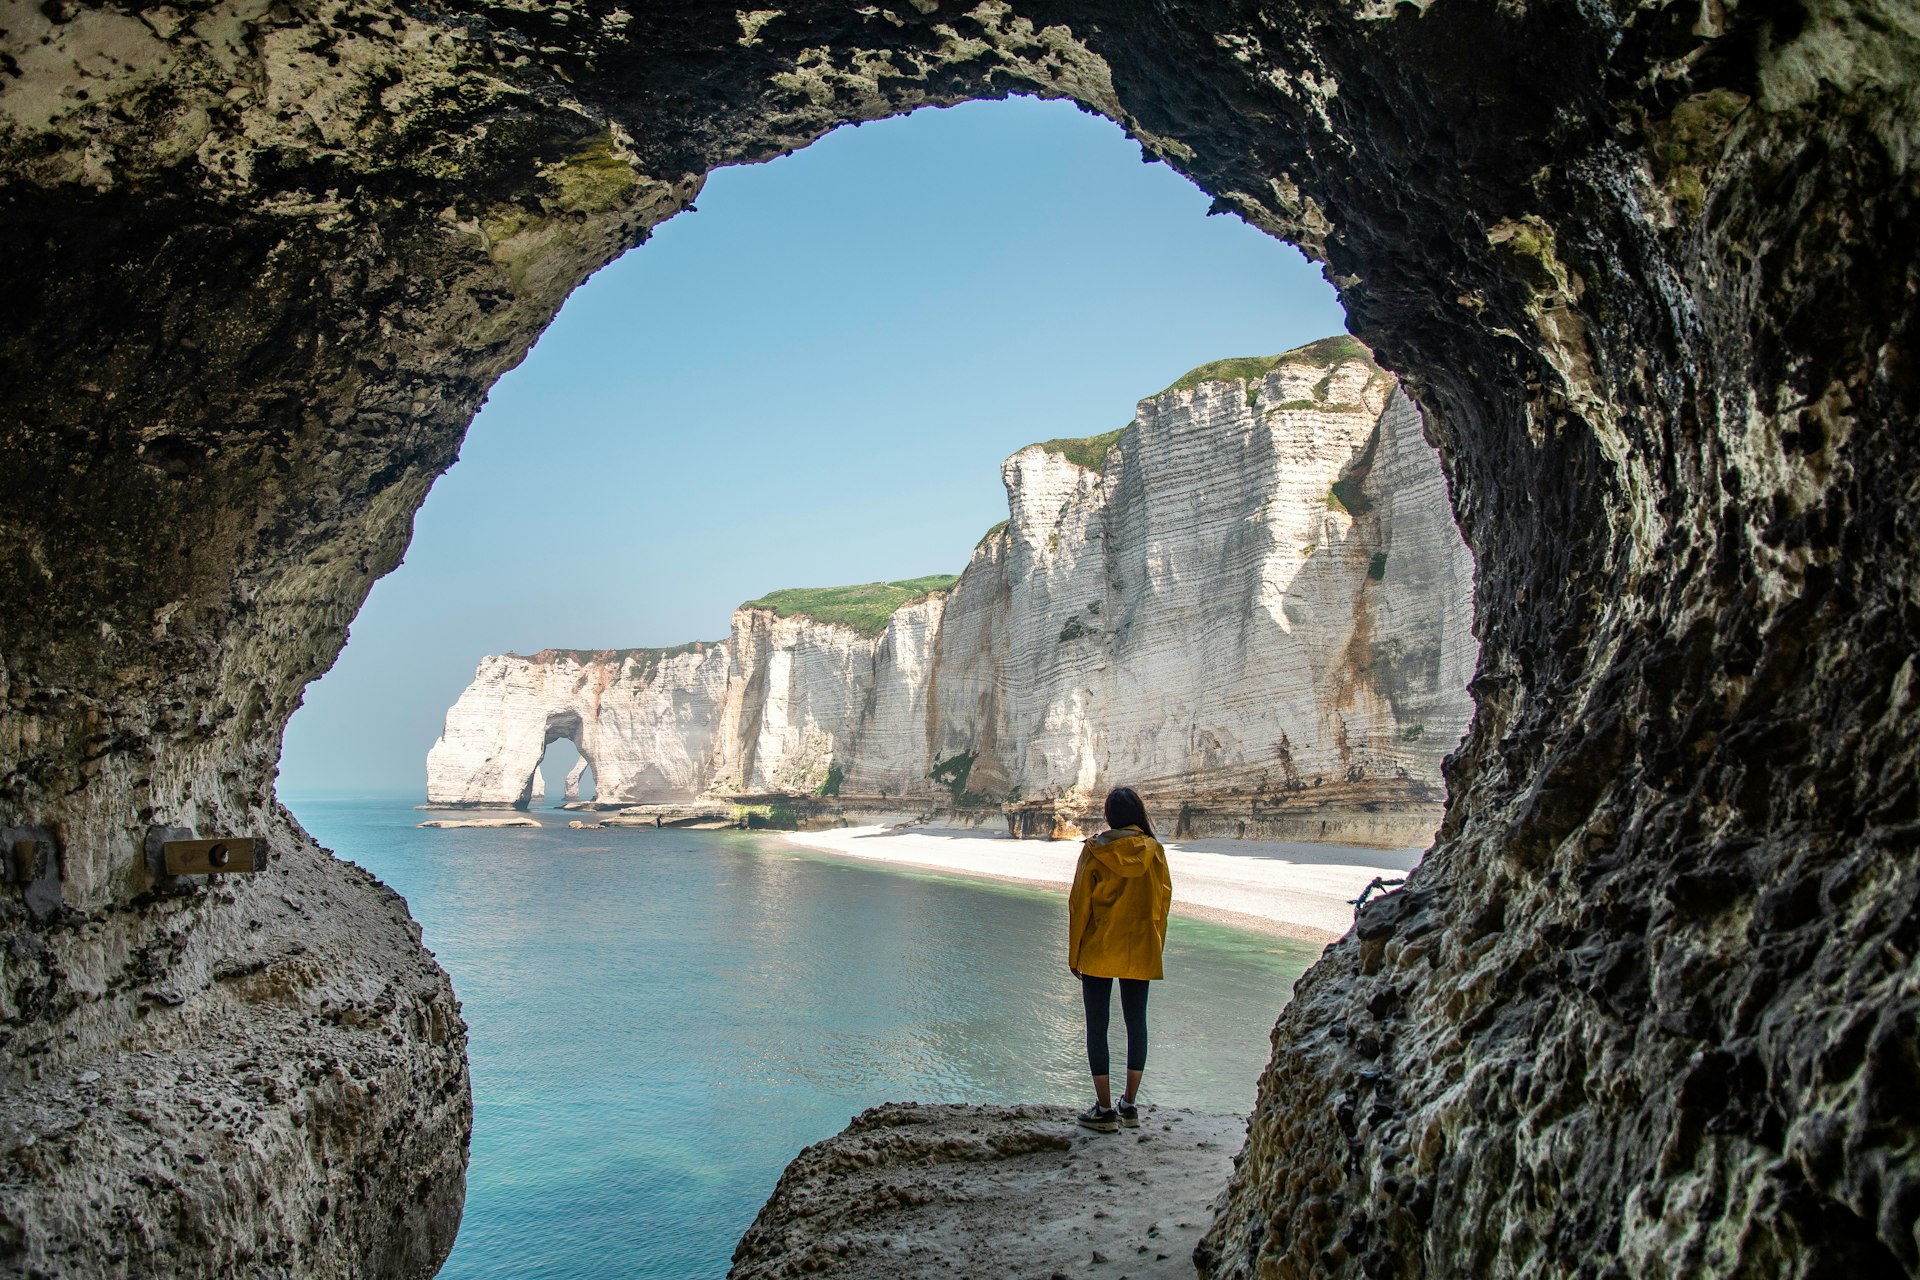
(661, 1019)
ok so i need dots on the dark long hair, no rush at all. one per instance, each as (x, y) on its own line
(1124, 809)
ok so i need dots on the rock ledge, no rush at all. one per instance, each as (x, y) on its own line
(912, 1189)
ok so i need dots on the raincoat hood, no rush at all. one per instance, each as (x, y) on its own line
(1125, 851)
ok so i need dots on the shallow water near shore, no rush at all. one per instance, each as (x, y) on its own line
(661, 1020)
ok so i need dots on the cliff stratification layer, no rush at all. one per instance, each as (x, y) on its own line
(1251, 603)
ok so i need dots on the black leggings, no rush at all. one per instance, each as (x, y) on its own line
(1097, 993)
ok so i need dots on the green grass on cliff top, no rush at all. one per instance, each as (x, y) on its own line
(1091, 451)
(1325, 353)
(1086, 451)
(864, 608)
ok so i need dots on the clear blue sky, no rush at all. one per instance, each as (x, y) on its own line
(809, 381)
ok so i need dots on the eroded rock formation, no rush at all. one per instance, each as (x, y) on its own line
(643, 720)
(1252, 599)
(256, 1051)
(1262, 596)
(1649, 270)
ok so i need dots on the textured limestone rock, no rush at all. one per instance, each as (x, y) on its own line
(289, 1047)
(1648, 1006)
(909, 1190)
(1199, 613)
(643, 720)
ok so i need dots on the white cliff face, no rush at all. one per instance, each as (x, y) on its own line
(1303, 624)
(795, 688)
(894, 736)
(814, 706)
(643, 720)
(1308, 623)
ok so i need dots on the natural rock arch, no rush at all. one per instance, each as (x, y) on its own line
(1650, 1005)
(560, 725)
(496, 736)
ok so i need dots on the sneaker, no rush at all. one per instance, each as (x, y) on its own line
(1099, 1119)
(1129, 1113)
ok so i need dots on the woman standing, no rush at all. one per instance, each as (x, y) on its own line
(1117, 925)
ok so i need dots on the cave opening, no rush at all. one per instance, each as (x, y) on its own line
(892, 311)
(1647, 1004)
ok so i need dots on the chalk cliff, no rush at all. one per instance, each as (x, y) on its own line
(1251, 601)
(643, 719)
(1304, 623)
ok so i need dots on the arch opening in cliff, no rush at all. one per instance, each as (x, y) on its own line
(1648, 1004)
(564, 775)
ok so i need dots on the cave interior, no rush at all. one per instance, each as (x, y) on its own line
(1649, 1007)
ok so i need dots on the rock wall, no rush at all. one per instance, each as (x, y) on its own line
(1648, 270)
(1254, 593)
(239, 1052)
(796, 689)
(643, 720)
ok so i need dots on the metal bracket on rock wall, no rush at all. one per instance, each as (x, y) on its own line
(228, 855)
(173, 854)
(33, 862)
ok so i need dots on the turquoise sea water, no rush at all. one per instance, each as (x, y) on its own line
(660, 1020)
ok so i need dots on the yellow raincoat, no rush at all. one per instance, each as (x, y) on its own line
(1117, 912)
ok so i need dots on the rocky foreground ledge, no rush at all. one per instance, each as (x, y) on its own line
(910, 1189)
